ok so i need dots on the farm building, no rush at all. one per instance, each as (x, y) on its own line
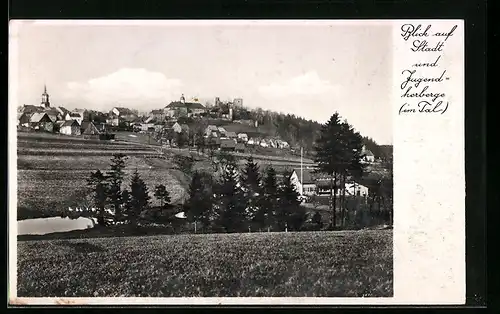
(70, 127)
(176, 127)
(88, 128)
(231, 135)
(158, 114)
(367, 156)
(227, 145)
(24, 119)
(77, 116)
(243, 137)
(320, 184)
(41, 121)
(240, 148)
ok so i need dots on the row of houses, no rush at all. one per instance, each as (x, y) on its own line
(41, 121)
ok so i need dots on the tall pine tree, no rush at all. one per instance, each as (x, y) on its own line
(161, 213)
(139, 198)
(115, 179)
(97, 182)
(252, 191)
(198, 207)
(330, 158)
(269, 201)
(231, 201)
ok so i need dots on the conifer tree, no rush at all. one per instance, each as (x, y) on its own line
(199, 205)
(115, 179)
(139, 198)
(162, 195)
(231, 201)
(98, 184)
(252, 191)
(269, 201)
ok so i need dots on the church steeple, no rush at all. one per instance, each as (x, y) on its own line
(45, 97)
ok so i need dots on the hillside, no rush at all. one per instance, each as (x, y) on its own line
(53, 169)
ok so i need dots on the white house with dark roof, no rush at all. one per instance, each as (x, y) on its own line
(310, 183)
(182, 108)
(367, 155)
(70, 127)
(77, 116)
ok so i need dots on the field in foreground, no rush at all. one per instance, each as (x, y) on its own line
(313, 264)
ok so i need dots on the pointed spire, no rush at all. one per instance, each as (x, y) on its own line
(45, 88)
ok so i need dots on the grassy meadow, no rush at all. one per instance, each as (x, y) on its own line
(312, 264)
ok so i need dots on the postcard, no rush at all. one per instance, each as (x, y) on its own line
(220, 162)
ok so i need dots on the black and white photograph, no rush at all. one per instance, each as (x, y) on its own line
(192, 159)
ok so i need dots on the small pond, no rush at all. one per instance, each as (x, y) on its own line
(52, 224)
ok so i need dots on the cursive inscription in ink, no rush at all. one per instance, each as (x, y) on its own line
(420, 82)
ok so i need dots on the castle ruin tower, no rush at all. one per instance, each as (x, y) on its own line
(45, 97)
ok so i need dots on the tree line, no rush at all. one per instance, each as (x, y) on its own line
(226, 200)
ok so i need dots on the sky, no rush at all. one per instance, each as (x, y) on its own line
(307, 69)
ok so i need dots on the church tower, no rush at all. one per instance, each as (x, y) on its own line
(45, 98)
(183, 100)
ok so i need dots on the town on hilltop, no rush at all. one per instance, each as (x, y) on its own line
(223, 125)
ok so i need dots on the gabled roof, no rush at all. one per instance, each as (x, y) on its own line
(38, 116)
(70, 123)
(240, 146)
(231, 134)
(90, 129)
(188, 105)
(367, 153)
(227, 143)
(211, 128)
(307, 176)
(123, 110)
(76, 114)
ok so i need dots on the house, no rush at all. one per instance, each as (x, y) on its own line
(227, 145)
(251, 141)
(145, 126)
(213, 142)
(264, 143)
(210, 129)
(231, 135)
(158, 114)
(62, 111)
(41, 121)
(185, 128)
(113, 121)
(221, 130)
(367, 155)
(58, 125)
(24, 119)
(320, 184)
(70, 127)
(121, 111)
(240, 147)
(184, 109)
(306, 185)
(88, 128)
(77, 116)
(243, 137)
